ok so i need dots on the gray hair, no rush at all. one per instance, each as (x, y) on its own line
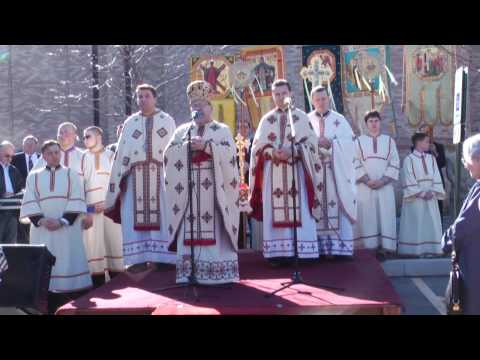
(69, 124)
(6, 143)
(30, 137)
(471, 148)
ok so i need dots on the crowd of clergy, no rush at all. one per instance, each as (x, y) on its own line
(126, 207)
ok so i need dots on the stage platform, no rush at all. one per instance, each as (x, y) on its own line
(365, 290)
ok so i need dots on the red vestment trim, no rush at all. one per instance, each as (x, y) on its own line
(201, 242)
(256, 198)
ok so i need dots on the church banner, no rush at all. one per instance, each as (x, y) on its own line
(268, 66)
(364, 82)
(428, 88)
(214, 70)
(321, 66)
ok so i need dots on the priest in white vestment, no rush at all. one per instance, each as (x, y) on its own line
(103, 241)
(337, 154)
(420, 224)
(136, 197)
(53, 200)
(215, 195)
(271, 193)
(377, 167)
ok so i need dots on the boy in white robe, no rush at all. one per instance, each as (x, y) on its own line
(377, 166)
(420, 225)
(53, 200)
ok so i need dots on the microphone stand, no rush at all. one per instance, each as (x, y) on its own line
(296, 275)
(192, 278)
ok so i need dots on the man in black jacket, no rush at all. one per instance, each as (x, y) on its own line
(11, 182)
(24, 161)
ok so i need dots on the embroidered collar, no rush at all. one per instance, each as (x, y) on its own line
(374, 137)
(68, 150)
(418, 153)
(49, 168)
(155, 112)
(325, 114)
(98, 151)
(282, 111)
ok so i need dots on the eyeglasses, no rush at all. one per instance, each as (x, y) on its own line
(87, 137)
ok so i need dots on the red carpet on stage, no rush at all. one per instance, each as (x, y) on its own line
(366, 290)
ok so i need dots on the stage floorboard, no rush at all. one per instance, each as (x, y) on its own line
(366, 290)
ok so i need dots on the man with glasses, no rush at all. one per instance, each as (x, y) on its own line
(103, 241)
(11, 182)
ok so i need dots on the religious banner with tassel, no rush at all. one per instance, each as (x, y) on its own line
(428, 84)
(268, 65)
(365, 81)
(216, 71)
(321, 66)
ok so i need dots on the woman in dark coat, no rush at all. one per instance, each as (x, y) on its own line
(463, 235)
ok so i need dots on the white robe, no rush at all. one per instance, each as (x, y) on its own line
(51, 194)
(335, 231)
(103, 241)
(215, 198)
(271, 190)
(140, 206)
(70, 158)
(420, 224)
(376, 225)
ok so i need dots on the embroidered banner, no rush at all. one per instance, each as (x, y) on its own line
(321, 66)
(428, 87)
(364, 81)
(269, 66)
(215, 71)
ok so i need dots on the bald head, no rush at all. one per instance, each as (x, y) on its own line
(67, 134)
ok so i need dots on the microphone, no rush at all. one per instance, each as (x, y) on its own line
(288, 101)
(196, 114)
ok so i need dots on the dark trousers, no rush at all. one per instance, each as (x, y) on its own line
(23, 233)
(8, 226)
